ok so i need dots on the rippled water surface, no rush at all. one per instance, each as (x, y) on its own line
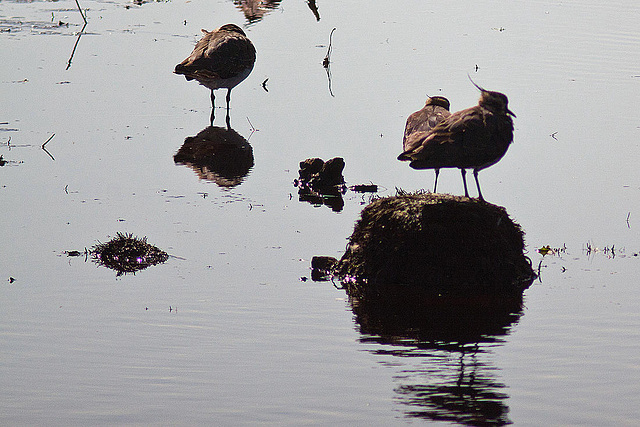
(230, 330)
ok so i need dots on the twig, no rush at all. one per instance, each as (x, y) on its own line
(45, 143)
(327, 61)
(253, 129)
(628, 215)
(73, 52)
(84, 18)
(81, 14)
(327, 58)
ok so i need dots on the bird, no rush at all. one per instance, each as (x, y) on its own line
(474, 138)
(434, 111)
(222, 58)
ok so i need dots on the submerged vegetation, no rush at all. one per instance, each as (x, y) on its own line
(127, 254)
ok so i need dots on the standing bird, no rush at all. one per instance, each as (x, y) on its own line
(221, 59)
(435, 110)
(474, 138)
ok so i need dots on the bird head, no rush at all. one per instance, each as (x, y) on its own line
(439, 101)
(495, 102)
(231, 28)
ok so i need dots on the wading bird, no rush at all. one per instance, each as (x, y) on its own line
(221, 59)
(475, 138)
(435, 110)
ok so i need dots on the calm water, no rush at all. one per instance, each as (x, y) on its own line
(250, 342)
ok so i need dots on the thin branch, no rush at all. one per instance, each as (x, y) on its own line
(327, 58)
(45, 143)
(81, 14)
(73, 52)
(327, 61)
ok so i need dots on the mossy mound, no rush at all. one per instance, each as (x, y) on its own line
(127, 254)
(443, 243)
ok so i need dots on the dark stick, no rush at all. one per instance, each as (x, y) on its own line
(84, 18)
(327, 58)
(45, 143)
(327, 61)
(81, 14)
(73, 52)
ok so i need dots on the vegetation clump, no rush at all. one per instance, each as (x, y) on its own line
(127, 254)
(322, 183)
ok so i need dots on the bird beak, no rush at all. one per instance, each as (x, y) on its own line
(510, 112)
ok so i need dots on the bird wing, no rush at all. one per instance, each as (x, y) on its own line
(218, 57)
(445, 143)
(425, 119)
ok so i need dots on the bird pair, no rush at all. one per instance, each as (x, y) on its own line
(474, 138)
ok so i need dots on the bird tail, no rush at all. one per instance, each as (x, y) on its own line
(185, 70)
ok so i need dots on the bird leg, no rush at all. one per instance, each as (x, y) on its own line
(436, 184)
(213, 107)
(475, 175)
(228, 101)
(464, 181)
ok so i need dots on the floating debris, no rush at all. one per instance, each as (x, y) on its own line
(321, 183)
(545, 250)
(75, 253)
(318, 174)
(322, 268)
(127, 254)
(364, 188)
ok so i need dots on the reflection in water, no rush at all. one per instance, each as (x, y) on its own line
(458, 390)
(328, 196)
(450, 382)
(326, 62)
(73, 52)
(217, 154)
(75, 46)
(436, 280)
(254, 10)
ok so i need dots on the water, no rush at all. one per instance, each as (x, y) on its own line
(247, 340)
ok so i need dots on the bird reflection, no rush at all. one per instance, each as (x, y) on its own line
(255, 10)
(449, 336)
(218, 155)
